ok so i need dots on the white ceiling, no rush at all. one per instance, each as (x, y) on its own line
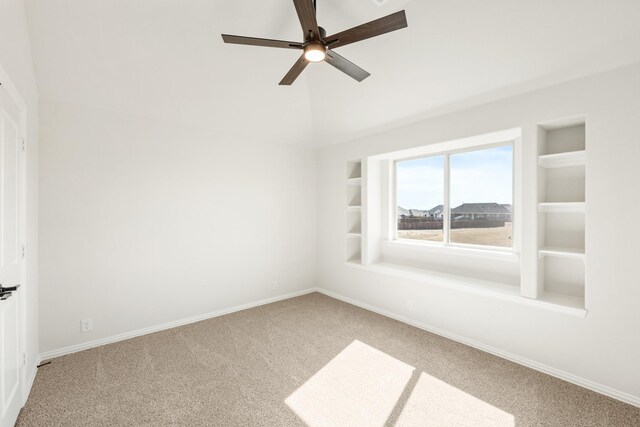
(165, 59)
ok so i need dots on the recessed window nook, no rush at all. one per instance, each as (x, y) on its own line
(373, 241)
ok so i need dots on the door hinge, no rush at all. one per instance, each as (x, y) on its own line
(23, 251)
(24, 359)
(23, 145)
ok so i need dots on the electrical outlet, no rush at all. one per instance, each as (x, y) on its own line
(275, 284)
(409, 305)
(86, 325)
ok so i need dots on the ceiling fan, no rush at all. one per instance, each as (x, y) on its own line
(317, 46)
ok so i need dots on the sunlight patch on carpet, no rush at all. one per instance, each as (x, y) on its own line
(360, 386)
(434, 402)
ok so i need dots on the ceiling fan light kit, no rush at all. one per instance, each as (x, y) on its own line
(318, 47)
(315, 52)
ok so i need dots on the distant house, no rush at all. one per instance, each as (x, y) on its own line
(466, 211)
(412, 213)
(436, 212)
(481, 211)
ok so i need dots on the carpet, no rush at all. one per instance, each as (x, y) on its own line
(310, 360)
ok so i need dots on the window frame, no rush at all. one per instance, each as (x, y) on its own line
(446, 244)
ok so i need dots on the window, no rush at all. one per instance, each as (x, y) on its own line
(457, 198)
(420, 196)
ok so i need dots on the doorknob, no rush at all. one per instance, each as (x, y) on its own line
(9, 289)
(4, 295)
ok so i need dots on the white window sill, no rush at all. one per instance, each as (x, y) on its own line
(455, 250)
(551, 302)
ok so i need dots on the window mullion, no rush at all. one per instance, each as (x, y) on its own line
(446, 205)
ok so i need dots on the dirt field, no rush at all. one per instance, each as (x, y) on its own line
(480, 236)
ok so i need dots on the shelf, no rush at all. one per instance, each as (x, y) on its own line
(561, 160)
(569, 253)
(354, 208)
(354, 235)
(354, 169)
(562, 207)
(559, 140)
(571, 303)
(563, 184)
(354, 181)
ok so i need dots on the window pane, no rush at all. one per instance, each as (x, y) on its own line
(420, 196)
(481, 196)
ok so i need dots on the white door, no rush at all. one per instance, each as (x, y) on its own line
(10, 360)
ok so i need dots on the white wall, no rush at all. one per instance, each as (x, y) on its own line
(604, 347)
(17, 62)
(145, 222)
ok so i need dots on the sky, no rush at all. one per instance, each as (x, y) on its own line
(476, 176)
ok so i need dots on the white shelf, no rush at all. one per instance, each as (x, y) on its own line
(354, 169)
(562, 207)
(568, 302)
(354, 208)
(561, 160)
(356, 264)
(569, 253)
(354, 235)
(354, 181)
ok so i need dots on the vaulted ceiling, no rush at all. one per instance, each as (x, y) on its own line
(165, 59)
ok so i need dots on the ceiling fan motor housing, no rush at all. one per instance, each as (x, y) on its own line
(323, 33)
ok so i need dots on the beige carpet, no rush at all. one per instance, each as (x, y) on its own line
(310, 361)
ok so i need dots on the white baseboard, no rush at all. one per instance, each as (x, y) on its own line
(127, 335)
(582, 382)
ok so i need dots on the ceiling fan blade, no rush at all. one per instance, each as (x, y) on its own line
(294, 72)
(307, 17)
(389, 23)
(253, 41)
(346, 66)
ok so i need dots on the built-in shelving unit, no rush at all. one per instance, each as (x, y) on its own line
(354, 212)
(562, 211)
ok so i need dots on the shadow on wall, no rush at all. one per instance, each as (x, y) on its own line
(365, 386)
